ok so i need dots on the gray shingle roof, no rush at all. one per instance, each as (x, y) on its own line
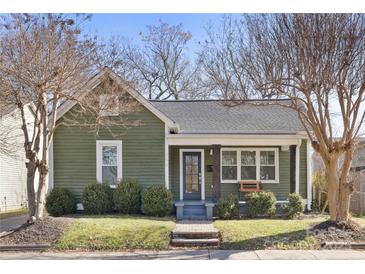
(215, 117)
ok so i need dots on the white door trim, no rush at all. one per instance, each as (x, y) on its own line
(202, 161)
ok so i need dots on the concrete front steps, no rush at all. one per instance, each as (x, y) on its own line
(194, 210)
(194, 233)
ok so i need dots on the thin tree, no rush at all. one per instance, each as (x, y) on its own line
(45, 59)
(160, 65)
(317, 61)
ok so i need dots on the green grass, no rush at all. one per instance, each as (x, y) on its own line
(12, 213)
(267, 233)
(117, 233)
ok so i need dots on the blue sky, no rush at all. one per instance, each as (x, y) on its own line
(130, 25)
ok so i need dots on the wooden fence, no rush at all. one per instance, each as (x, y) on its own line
(357, 202)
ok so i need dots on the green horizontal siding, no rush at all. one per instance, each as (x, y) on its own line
(142, 152)
(303, 170)
(281, 189)
(175, 170)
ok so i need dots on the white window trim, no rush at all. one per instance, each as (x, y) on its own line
(238, 151)
(99, 159)
(202, 162)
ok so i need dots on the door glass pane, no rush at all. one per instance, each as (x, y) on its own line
(191, 173)
(109, 175)
(109, 155)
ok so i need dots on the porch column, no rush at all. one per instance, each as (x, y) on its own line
(216, 172)
(297, 166)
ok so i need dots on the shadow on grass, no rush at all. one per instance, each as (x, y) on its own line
(290, 240)
(121, 216)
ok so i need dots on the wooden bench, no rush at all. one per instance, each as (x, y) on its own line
(250, 186)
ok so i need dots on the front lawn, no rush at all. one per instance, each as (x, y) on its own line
(113, 232)
(267, 233)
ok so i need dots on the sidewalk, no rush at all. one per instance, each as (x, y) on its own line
(205, 254)
(11, 223)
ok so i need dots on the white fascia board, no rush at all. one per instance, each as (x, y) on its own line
(233, 140)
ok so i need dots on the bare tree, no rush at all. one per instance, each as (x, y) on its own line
(315, 60)
(161, 68)
(45, 60)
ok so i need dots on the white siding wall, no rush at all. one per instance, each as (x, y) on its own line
(13, 191)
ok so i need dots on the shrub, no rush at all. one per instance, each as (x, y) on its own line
(127, 197)
(261, 204)
(228, 208)
(156, 201)
(295, 205)
(60, 201)
(97, 198)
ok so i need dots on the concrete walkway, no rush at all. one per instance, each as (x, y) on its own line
(11, 223)
(205, 254)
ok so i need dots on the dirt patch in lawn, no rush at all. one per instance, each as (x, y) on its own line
(46, 231)
(330, 231)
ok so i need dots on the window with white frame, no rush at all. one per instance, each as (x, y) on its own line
(267, 165)
(256, 164)
(248, 165)
(109, 162)
(229, 165)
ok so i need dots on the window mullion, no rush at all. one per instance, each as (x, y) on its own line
(257, 161)
(239, 165)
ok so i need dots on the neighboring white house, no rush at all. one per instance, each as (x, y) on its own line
(13, 174)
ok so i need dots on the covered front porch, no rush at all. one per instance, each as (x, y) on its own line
(202, 169)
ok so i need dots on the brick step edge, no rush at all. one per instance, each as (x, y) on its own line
(24, 247)
(341, 245)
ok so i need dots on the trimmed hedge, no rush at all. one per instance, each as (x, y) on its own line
(97, 198)
(60, 201)
(261, 204)
(295, 206)
(157, 201)
(127, 197)
(228, 208)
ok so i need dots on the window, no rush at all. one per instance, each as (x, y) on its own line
(267, 165)
(257, 164)
(109, 162)
(229, 165)
(248, 165)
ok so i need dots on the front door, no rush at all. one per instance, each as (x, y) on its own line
(192, 175)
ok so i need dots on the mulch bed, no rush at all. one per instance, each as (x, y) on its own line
(45, 231)
(330, 231)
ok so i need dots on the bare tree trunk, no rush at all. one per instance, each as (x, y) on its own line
(332, 194)
(345, 189)
(43, 165)
(41, 194)
(31, 169)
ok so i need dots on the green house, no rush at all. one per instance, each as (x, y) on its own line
(199, 149)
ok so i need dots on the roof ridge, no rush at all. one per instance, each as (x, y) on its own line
(215, 100)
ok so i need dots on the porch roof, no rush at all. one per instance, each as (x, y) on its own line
(217, 117)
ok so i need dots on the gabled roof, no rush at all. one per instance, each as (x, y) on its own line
(97, 79)
(215, 117)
